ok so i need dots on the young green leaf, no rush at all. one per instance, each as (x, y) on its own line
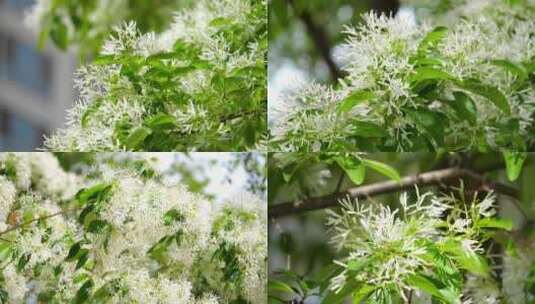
(5, 251)
(73, 252)
(368, 129)
(338, 297)
(83, 294)
(136, 138)
(354, 169)
(382, 168)
(516, 69)
(363, 293)
(514, 162)
(59, 34)
(491, 93)
(505, 224)
(470, 261)
(430, 122)
(433, 38)
(279, 286)
(104, 60)
(464, 106)
(96, 193)
(421, 282)
(354, 99)
(429, 73)
(161, 121)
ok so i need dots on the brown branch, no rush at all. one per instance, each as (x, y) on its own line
(36, 220)
(436, 177)
(319, 38)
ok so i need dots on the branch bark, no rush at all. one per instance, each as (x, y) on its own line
(436, 177)
(319, 38)
(15, 227)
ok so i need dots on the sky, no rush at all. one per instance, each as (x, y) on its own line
(214, 165)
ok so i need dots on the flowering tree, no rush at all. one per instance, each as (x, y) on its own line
(460, 79)
(198, 85)
(88, 23)
(120, 234)
(468, 241)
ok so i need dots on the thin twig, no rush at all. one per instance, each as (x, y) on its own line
(36, 220)
(340, 181)
(436, 177)
(319, 38)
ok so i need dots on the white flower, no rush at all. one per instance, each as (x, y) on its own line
(197, 237)
(16, 285)
(7, 197)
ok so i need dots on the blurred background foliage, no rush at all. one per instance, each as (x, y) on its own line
(88, 23)
(299, 249)
(204, 173)
(303, 34)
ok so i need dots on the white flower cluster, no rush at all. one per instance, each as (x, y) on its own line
(131, 87)
(383, 56)
(141, 241)
(384, 247)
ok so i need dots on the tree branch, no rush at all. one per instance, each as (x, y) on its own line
(36, 220)
(436, 177)
(319, 38)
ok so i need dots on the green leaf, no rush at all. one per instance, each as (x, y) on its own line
(171, 216)
(4, 296)
(514, 161)
(220, 22)
(363, 293)
(279, 286)
(464, 106)
(97, 193)
(105, 292)
(336, 298)
(83, 294)
(161, 121)
(423, 283)
(23, 260)
(505, 224)
(5, 251)
(356, 265)
(382, 168)
(367, 129)
(429, 122)
(513, 68)
(354, 169)
(59, 34)
(352, 100)
(91, 109)
(493, 94)
(82, 259)
(467, 260)
(162, 56)
(357, 174)
(426, 61)
(73, 252)
(104, 60)
(433, 38)
(97, 226)
(429, 73)
(136, 138)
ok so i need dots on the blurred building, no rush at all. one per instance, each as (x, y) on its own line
(36, 87)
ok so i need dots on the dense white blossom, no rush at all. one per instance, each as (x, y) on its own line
(379, 104)
(141, 241)
(205, 73)
(387, 248)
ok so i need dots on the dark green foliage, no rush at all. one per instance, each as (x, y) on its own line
(232, 270)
